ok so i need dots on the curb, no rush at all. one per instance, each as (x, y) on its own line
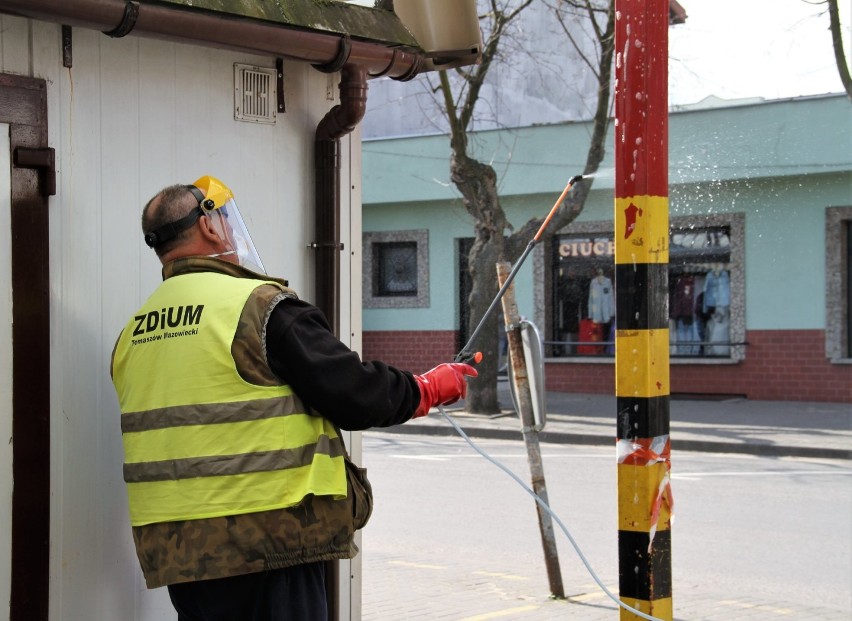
(704, 446)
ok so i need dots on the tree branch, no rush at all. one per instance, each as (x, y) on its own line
(837, 41)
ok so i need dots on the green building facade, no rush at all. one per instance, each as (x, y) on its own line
(761, 220)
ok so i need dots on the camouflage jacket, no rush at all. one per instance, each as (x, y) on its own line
(319, 528)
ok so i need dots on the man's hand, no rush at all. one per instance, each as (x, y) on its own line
(443, 385)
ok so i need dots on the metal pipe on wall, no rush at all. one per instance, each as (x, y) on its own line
(339, 121)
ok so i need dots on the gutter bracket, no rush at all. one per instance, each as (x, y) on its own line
(67, 47)
(336, 64)
(128, 21)
(279, 70)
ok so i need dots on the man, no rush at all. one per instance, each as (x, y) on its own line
(232, 392)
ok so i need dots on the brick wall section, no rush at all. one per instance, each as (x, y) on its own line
(415, 351)
(780, 365)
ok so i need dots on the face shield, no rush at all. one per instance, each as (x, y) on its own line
(219, 205)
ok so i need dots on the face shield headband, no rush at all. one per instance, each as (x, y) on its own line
(171, 230)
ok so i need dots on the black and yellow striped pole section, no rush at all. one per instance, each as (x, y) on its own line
(641, 297)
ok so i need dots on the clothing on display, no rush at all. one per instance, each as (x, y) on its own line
(699, 314)
(717, 289)
(601, 299)
(683, 298)
(590, 332)
(718, 333)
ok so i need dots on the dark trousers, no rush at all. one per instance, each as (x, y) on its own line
(290, 594)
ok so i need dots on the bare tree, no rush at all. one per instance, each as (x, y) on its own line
(837, 42)
(495, 239)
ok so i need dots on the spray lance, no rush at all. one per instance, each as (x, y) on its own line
(467, 356)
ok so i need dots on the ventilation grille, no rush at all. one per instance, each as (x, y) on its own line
(255, 94)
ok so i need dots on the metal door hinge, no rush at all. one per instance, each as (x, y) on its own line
(43, 160)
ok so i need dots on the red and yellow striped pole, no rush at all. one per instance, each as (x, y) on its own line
(641, 293)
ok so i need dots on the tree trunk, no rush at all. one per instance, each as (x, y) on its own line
(477, 183)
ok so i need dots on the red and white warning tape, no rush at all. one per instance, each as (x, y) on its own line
(647, 452)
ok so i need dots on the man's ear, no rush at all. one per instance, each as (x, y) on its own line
(208, 231)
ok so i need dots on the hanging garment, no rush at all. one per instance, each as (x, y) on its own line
(601, 300)
(719, 331)
(590, 332)
(717, 290)
(683, 298)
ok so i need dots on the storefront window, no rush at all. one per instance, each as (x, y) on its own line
(584, 296)
(700, 292)
(583, 320)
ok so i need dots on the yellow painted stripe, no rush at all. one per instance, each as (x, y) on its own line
(642, 229)
(762, 607)
(637, 490)
(498, 614)
(417, 565)
(659, 608)
(642, 363)
(496, 574)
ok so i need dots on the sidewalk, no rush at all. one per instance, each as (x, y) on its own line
(767, 428)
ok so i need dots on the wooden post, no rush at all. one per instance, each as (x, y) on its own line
(641, 298)
(522, 390)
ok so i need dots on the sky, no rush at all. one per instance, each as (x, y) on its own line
(754, 48)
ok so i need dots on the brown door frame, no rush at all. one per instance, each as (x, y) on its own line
(23, 105)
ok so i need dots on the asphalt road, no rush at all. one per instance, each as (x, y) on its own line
(454, 538)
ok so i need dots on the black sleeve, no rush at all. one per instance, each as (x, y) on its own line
(302, 350)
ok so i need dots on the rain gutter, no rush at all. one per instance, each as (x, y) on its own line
(357, 60)
(182, 24)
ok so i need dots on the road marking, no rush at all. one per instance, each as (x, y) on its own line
(508, 612)
(585, 597)
(422, 457)
(763, 607)
(417, 565)
(685, 476)
(495, 574)
(445, 457)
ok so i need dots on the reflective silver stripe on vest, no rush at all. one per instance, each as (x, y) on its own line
(223, 465)
(204, 414)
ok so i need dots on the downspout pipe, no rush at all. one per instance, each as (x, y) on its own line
(118, 18)
(340, 121)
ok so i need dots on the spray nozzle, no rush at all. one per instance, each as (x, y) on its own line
(469, 358)
(575, 179)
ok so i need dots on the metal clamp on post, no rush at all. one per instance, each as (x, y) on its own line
(329, 244)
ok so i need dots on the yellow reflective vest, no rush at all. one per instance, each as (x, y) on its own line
(199, 440)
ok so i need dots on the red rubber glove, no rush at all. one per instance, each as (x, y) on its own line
(443, 385)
